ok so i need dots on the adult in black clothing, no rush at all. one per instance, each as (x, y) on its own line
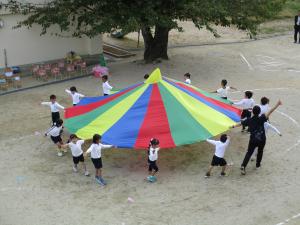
(297, 27)
(257, 134)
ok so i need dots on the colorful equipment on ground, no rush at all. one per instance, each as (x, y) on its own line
(171, 111)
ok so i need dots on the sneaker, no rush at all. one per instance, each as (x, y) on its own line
(65, 150)
(207, 175)
(102, 181)
(75, 170)
(86, 173)
(257, 167)
(60, 154)
(223, 174)
(243, 171)
(99, 181)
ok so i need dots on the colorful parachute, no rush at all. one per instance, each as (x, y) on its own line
(174, 112)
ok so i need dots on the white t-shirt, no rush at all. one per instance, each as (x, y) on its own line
(223, 92)
(53, 106)
(54, 131)
(220, 147)
(95, 150)
(188, 81)
(106, 88)
(75, 97)
(153, 154)
(9, 74)
(246, 103)
(264, 109)
(76, 148)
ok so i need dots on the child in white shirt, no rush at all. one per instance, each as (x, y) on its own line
(223, 91)
(106, 86)
(55, 132)
(77, 153)
(218, 158)
(187, 78)
(152, 158)
(75, 95)
(54, 107)
(95, 150)
(246, 104)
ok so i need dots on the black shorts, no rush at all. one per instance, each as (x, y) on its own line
(97, 163)
(105, 94)
(224, 98)
(55, 117)
(78, 159)
(74, 104)
(216, 161)
(152, 166)
(56, 139)
(246, 113)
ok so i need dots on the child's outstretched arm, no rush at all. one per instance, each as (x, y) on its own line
(59, 106)
(46, 103)
(106, 146)
(268, 114)
(273, 128)
(233, 88)
(213, 142)
(68, 91)
(239, 103)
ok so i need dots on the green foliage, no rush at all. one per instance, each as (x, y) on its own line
(290, 9)
(91, 17)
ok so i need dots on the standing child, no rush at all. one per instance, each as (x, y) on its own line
(95, 150)
(257, 136)
(105, 85)
(218, 158)
(54, 107)
(152, 158)
(264, 107)
(187, 78)
(75, 95)
(77, 153)
(223, 91)
(246, 104)
(55, 132)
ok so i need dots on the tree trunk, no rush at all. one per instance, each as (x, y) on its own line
(157, 46)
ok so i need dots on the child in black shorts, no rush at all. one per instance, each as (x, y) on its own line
(77, 153)
(95, 150)
(55, 132)
(152, 158)
(54, 107)
(218, 158)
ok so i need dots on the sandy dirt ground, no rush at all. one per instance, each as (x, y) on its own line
(37, 187)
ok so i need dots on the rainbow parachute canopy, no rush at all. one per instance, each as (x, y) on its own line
(171, 111)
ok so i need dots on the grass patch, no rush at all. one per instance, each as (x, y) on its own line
(291, 8)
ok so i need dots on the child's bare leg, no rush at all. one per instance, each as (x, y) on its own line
(100, 173)
(224, 168)
(83, 166)
(210, 169)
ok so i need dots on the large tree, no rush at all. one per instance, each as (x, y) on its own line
(155, 18)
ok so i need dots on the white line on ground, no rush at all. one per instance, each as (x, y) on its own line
(293, 146)
(290, 118)
(289, 219)
(296, 71)
(249, 65)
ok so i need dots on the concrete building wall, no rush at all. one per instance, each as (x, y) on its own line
(25, 46)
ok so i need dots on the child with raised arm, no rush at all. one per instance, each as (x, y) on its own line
(264, 108)
(75, 95)
(106, 86)
(223, 90)
(152, 158)
(77, 153)
(218, 158)
(55, 132)
(257, 135)
(187, 78)
(54, 107)
(95, 150)
(246, 104)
